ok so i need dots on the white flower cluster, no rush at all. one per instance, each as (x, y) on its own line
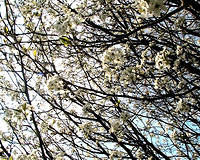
(124, 116)
(131, 73)
(18, 115)
(180, 55)
(164, 82)
(69, 21)
(161, 60)
(55, 83)
(26, 110)
(143, 7)
(115, 126)
(114, 65)
(86, 129)
(139, 154)
(85, 109)
(113, 59)
(115, 154)
(182, 106)
(156, 83)
(151, 7)
(113, 56)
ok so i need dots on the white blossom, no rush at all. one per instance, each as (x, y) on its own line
(182, 106)
(55, 83)
(115, 126)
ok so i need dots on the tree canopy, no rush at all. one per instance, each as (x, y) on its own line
(100, 79)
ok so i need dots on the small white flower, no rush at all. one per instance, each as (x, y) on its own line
(139, 154)
(179, 50)
(182, 106)
(143, 8)
(115, 126)
(156, 84)
(161, 60)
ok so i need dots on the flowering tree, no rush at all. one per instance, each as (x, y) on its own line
(100, 79)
